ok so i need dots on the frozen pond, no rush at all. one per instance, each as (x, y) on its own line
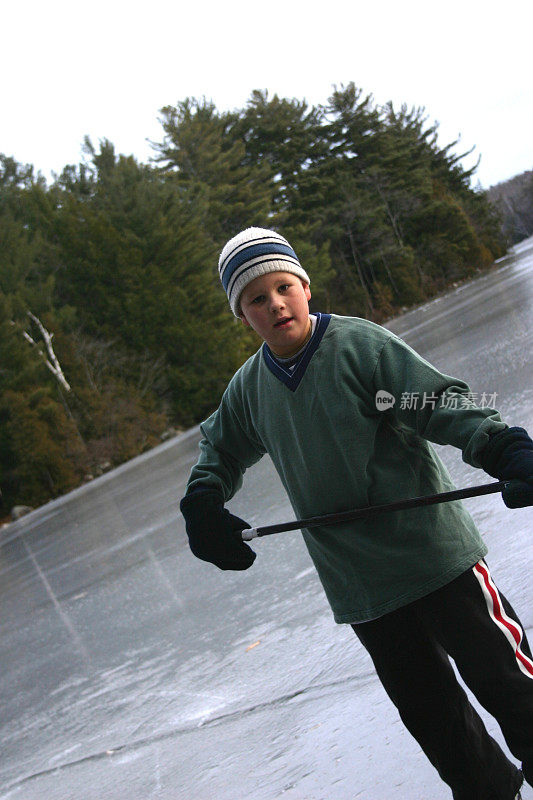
(132, 670)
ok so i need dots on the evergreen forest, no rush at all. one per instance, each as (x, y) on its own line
(114, 328)
(514, 201)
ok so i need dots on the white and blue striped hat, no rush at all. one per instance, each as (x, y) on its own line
(252, 253)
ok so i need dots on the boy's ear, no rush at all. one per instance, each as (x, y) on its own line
(307, 290)
(244, 320)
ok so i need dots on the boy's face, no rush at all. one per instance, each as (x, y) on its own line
(276, 306)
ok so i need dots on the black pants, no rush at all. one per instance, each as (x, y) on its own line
(473, 623)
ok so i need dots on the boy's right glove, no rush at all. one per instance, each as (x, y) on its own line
(509, 456)
(215, 534)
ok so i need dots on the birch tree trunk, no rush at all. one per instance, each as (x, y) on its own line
(52, 362)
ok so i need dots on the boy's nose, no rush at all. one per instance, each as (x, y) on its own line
(276, 302)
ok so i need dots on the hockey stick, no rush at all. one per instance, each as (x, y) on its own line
(360, 513)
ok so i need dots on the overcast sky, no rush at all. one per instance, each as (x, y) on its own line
(105, 68)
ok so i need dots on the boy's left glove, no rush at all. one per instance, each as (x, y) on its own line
(215, 534)
(509, 456)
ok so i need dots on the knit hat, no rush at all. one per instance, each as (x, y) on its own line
(251, 253)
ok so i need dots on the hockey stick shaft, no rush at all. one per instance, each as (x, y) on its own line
(361, 513)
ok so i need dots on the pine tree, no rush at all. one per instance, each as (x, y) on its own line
(142, 268)
(283, 134)
(209, 163)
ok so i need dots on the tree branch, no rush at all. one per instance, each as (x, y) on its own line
(52, 361)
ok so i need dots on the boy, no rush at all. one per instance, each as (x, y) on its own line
(413, 585)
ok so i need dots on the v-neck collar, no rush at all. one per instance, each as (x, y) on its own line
(292, 377)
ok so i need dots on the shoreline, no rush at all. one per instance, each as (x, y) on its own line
(504, 262)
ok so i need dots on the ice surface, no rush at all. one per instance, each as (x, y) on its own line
(132, 670)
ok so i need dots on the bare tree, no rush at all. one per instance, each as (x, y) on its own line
(51, 360)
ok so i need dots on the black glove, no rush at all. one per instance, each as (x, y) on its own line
(214, 533)
(509, 456)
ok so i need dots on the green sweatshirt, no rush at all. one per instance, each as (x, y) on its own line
(334, 450)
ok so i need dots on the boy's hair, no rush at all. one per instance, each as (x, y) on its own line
(251, 253)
